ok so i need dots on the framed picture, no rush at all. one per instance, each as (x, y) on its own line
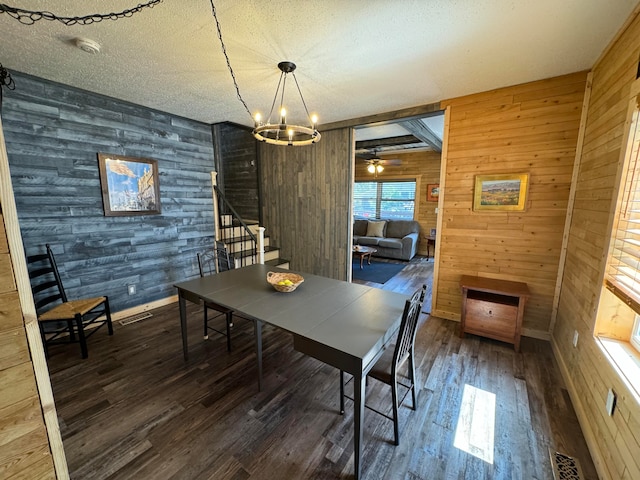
(433, 192)
(506, 192)
(129, 185)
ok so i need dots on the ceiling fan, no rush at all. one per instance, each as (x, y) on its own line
(376, 164)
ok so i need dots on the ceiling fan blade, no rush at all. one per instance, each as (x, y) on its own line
(366, 156)
(391, 161)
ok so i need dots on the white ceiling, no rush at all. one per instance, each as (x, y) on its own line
(354, 57)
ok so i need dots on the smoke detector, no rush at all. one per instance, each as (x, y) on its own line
(87, 45)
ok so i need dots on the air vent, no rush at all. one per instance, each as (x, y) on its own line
(565, 467)
(135, 318)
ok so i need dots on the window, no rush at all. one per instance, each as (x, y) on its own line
(623, 266)
(635, 333)
(387, 199)
(617, 326)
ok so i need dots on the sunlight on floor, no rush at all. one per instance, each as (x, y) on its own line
(476, 421)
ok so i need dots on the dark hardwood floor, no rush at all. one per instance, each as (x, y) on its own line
(135, 410)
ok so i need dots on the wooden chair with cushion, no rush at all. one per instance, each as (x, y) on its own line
(211, 262)
(389, 365)
(62, 320)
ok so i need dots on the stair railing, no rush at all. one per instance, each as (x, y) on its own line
(221, 207)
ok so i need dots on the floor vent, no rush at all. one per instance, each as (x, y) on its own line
(135, 318)
(565, 467)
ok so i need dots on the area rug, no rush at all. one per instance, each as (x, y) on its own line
(377, 272)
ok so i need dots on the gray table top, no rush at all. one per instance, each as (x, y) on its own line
(355, 319)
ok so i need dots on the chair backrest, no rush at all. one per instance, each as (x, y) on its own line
(46, 284)
(408, 327)
(215, 260)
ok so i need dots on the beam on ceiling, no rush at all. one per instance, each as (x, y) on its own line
(390, 141)
(424, 133)
(412, 112)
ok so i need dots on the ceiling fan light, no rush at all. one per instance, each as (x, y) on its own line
(371, 168)
(379, 168)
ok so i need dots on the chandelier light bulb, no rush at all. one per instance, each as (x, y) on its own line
(257, 117)
(314, 120)
(283, 116)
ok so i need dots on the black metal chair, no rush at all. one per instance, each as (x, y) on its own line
(388, 366)
(62, 320)
(211, 262)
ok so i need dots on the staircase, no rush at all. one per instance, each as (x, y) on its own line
(243, 245)
(245, 240)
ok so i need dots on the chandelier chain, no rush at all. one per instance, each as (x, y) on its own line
(29, 17)
(5, 81)
(224, 51)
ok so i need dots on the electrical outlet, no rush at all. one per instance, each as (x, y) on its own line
(611, 401)
(131, 289)
(575, 338)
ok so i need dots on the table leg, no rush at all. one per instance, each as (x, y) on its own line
(183, 325)
(257, 326)
(359, 385)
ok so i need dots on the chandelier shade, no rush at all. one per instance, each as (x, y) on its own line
(281, 132)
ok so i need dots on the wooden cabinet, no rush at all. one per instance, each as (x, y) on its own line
(493, 308)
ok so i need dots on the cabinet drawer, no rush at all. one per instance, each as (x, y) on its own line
(495, 319)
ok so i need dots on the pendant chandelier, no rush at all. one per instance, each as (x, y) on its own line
(284, 133)
(281, 133)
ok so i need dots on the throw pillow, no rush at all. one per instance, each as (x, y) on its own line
(375, 229)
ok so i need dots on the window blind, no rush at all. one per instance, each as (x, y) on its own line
(387, 199)
(624, 263)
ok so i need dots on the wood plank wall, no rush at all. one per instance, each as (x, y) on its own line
(424, 166)
(306, 198)
(529, 128)
(53, 134)
(614, 441)
(24, 449)
(237, 166)
(24, 444)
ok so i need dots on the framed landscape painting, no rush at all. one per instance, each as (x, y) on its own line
(129, 185)
(433, 192)
(505, 192)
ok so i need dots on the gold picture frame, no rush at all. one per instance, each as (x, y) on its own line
(502, 192)
(129, 185)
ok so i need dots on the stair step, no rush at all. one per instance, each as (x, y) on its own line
(237, 246)
(232, 232)
(270, 253)
(278, 262)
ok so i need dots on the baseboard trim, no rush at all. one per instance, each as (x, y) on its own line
(526, 332)
(143, 308)
(589, 436)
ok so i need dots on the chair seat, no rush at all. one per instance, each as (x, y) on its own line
(70, 309)
(382, 369)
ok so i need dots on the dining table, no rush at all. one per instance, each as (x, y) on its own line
(342, 324)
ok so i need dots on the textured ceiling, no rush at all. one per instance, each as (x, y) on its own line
(354, 57)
